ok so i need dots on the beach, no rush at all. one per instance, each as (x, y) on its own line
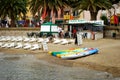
(106, 60)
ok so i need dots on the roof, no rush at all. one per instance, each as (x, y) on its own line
(48, 23)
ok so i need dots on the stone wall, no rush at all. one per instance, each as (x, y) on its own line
(110, 30)
(17, 31)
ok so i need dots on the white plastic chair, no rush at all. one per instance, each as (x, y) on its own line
(46, 40)
(19, 39)
(19, 45)
(13, 39)
(32, 40)
(8, 38)
(26, 40)
(5, 45)
(1, 44)
(71, 41)
(57, 41)
(3, 39)
(11, 45)
(27, 46)
(35, 47)
(64, 41)
(40, 40)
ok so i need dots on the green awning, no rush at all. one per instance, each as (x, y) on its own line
(48, 23)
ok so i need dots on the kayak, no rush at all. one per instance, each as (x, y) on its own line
(74, 53)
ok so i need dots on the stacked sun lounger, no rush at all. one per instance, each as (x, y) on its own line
(29, 43)
(19, 42)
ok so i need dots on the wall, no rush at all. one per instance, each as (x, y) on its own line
(17, 31)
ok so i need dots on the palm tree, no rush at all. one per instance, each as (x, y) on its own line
(115, 1)
(93, 6)
(46, 6)
(12, 8)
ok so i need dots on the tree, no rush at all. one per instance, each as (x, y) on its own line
(46, 6)
(114, 1)
(93, 6)
(105, 19)
(12, 8)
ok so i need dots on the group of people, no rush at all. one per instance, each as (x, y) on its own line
(4, 23)
(67, 34)
(29, 23)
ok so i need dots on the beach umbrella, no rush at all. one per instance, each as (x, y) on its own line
(114, 19)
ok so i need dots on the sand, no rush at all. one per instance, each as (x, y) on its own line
(106, 60)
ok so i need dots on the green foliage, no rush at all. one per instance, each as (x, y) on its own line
(47, 6)
(47, 19)
(93, 6)
(12, 8)
(105, 19)
(114, 1)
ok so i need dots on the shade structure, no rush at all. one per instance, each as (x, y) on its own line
(49, 27)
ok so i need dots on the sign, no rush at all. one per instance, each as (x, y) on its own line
(77, 21)
(100, 22)
(45, 47)
(66, 16)
(54, 28)
(49, 27)
(45, 28)
(79, 38)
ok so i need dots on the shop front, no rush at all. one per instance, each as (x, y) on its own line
(88, 28)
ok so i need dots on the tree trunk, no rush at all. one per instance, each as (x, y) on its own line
(13, 22)
(59, 13)
(93, 15)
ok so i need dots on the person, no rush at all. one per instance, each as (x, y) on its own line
(61, 34)
(59, 31)
(85, 35)
(74, 32)
(76, 42)
(4, 22)
(67, 34)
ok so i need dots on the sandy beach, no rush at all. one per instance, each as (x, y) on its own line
(106, 60)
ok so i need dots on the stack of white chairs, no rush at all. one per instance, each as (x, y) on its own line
(29, 43)
(26, 39)
(71, 41)
(56, 41)
(19, 39)
(40, 40)
(1, 43)
(64, 41)
(46, 40)
(3, 39)
(27, 46)
(11, 45)
(13, 39)
(32, 40)
(8, 38)
(19, 45)
(35, 47)
(5, 45)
